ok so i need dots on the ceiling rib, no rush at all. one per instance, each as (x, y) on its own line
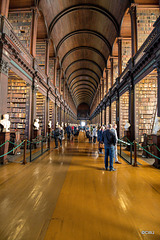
(84, 47)
(90, 7)
(84, 31)
(87, 60)
(79, 69)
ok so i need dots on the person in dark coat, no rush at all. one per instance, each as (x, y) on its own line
(99, 139)
(56, 136)
(69, 131)
(109, 140)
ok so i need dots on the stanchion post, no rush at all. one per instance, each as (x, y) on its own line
(25, 150)
(135, 154)
(42, 146)
(131, 154)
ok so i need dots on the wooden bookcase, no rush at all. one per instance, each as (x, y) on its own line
(40, 111)
(51, 112)
(145, 106)
(40, 54)
(18, 105)
(146, 17)
(113, 112)
(126, 52)
(21, 23)
(124, 111)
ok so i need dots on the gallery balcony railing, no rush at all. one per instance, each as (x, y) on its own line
(7, 31)
(149, 43)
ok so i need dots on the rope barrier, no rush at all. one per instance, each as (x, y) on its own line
(148, 152)
(126, 143)
(4, 143)
(12, 149)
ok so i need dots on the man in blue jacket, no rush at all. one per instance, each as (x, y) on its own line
(109, 140)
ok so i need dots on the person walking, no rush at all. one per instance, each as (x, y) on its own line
(109, 140)
(113, 129)
(99, 138)
(60, 137)
(56, 136)
(69, 131)
(94, 134)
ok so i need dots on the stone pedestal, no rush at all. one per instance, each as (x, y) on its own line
(156, 141)
(127, 134)
(36, 133)
(4, 149)
(14, 138)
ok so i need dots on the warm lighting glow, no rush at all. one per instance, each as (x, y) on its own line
(83, 124)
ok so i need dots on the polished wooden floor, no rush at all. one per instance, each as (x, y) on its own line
(66, 195)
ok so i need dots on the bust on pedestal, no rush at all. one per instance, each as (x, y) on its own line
(156, 141)
(4, 136)
(127, 133)
(36, 130)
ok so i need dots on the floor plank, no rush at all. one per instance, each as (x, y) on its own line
(66, 195)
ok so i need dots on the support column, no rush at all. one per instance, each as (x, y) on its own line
(47, 114)
(3, 85)
(60, 113)
(119, 42)
(105, 115)
(106, 80)
(101, 116)
(158, 89)
(133, 14)
(4, 8)
(64, 116)
(102, 88)
(64, 88)
(60, 80)
(117, 112)
(132, 109)
(47, 57)
(55, 114)
(110, 111)
(99, 93)
(55, 73)
(35, 15)
(111, 60)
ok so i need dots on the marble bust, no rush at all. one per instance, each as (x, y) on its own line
(5, 123)
(36, 124)
(49, 124)
(157, 126)
(127, 125)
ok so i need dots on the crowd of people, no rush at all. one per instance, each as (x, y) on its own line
(106, 136)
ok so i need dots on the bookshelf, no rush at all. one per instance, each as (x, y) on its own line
(57, 78)
(41, 53)
(124, 111)
(145, 20)
(21, 23)
(115, 69)
(107, 115)
(126, 52)
(113, 112)
(40, 111)
(18, 106)
(145, 106)
(51, 113)
(109, 79)
(51, 70)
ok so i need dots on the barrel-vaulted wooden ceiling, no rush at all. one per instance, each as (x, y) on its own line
(83, 33)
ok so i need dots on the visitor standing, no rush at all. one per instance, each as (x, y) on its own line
(113, 129)
(109, 141)
(56, 136)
